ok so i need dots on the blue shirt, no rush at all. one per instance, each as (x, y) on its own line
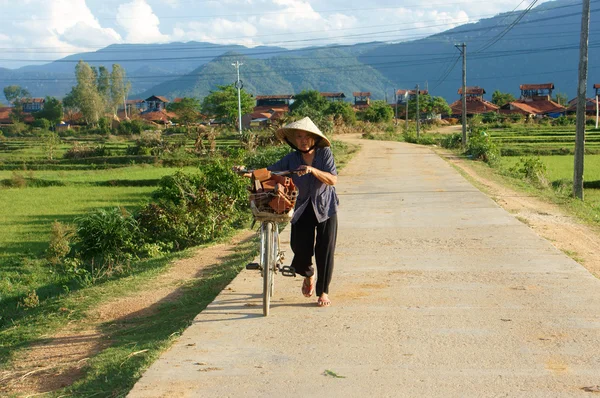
(321, 196)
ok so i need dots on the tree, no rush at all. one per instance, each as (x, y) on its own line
(103, 86)
(343, 110)
(52, 111)
(379, 111)
(119, 88)
(561, 98)
(223, 104)
(86, 93)
(187, 110)
(439, 106)
(14, 94)
(309, 98)
(499, 98)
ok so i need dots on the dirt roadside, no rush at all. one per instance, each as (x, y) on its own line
(577, 240)
(58, 360)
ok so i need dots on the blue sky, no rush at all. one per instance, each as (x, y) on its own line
(33, 30)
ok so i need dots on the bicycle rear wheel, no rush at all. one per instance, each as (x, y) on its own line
(267, 263)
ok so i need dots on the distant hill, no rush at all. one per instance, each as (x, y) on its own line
(329, 69)
(542, 48)
(146, 65)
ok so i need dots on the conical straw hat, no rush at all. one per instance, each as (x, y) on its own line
(288, 131)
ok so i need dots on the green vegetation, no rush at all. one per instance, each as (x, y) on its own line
(81, 229)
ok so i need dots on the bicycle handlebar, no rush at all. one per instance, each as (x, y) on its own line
(279, 173)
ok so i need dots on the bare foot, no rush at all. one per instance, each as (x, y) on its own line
(308, 286)
(324, 301)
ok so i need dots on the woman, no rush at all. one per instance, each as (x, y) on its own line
(314, 224)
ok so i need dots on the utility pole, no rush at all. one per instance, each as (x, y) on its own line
(597, 110)
(463, 49)
(396, 106)
(406, 103)
(239, 85)
(418, 115)
(581, 101)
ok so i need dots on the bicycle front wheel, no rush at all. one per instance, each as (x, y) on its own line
(267, 263)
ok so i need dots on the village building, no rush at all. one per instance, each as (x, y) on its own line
(362, 100)
(31, 105)
(268, 109)
(334, 97)
(475, 103)
(156, 110)
(535, 101)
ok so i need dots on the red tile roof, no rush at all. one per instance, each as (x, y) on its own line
(159, 97)
(474, 106)
(540, 107)
(266, 108)
(277, 96)
(590, 105)
(596, 85)
(5, 115)
(544, 86)
(333, 95)
(162, 116)
(476, 90)
(362, 94)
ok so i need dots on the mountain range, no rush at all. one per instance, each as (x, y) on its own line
(542, 47)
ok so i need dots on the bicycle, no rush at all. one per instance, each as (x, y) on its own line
(270, 257)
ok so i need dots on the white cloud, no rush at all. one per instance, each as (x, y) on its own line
(140, 23)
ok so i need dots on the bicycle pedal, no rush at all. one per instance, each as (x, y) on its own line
(253, 266)
(288, 271)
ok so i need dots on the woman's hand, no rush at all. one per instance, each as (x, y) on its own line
(304, 169)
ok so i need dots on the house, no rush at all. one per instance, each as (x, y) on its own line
(155, 103)
(334, 96)
(404, 96)
(31, 105)
(262, 118)
(273, 103)
(5, 112)
(134, 106)
(362, 99)
(475, 103)
(590, 106)
(535, 101)
(597, 88)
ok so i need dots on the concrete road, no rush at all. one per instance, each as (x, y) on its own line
(437, 292)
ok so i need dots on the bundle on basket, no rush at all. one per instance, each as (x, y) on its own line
(272, 194)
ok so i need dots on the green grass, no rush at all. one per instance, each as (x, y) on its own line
(26, 216)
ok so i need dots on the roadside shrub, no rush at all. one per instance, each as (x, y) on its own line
(532, 169)
(194, 208)
(31, 300)
(61, 236)
(265, 157)
(451, 141)
(481, 147)
(107, 238)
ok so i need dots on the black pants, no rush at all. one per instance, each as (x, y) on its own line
(305, 246)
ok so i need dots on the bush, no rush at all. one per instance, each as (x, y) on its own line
(43, 124)
(481, 147)
(532, 170)
(79, 151)
(149, 143)
(131, 127)
(61, 236)
(107, 238)
(490, 117)
(451, 141)
(194, 208)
